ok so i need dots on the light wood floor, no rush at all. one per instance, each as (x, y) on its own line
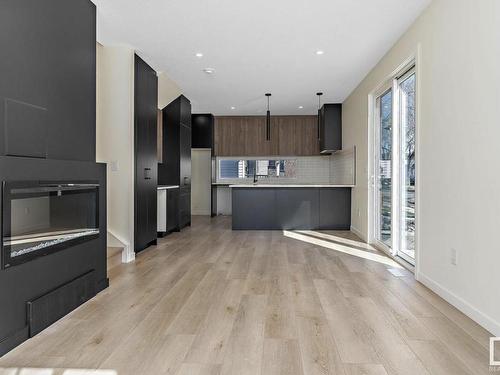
(213, 301)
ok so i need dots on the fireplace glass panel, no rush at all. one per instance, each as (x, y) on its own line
(41, 218)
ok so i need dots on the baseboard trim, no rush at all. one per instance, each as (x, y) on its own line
(13, 340)
(480, 318)
(128, 255)
(358, 233)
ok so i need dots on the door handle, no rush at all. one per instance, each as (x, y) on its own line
(147, 174)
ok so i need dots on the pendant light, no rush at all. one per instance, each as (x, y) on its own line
(268, 119)
(319, 114)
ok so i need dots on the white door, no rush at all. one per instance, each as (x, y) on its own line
(201, 181)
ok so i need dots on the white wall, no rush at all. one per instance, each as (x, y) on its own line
(459, 120)
(167, 90)
(115, 139)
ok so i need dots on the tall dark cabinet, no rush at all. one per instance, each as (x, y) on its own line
(146, 162)
(176, 167)
(330, 128)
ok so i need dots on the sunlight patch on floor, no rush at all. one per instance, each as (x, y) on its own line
(334, 238)
(341, 248)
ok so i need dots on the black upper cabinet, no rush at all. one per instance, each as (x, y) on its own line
(202, 131)
(47, 75)
(146, 163)
(330, 123)
(176, 166)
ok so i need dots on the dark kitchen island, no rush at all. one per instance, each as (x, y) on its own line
(277, 207)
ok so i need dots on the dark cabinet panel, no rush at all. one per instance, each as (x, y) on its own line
(254, 208)
(185, 156)
(331, 127)
(185, 108)
(202, 127)
(176, 166)
(172, 210)
(184, 207)
(335, 208)
(48, 85)
(213, 201)
(297, 208)
(146, 159)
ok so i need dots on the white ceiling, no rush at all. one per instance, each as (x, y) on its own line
(259, 46)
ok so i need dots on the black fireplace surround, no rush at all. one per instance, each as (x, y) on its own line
(53, 217)
(48, 282)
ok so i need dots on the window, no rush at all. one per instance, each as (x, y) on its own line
(241, 169)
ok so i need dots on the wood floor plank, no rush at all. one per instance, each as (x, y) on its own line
(211, 341)
(350, 332)
(281, 357)
(365, 369)
(396, 355)
(194, 311)
(477, 332)
(459, 343)
(198, 369)
(304, 296)
(280, 316)
(246, 343)
(318, 350)
(437, 359)
(396, 312)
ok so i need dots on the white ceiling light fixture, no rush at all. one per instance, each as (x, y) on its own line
(320, 52)
(199, 54)
(209, 70)
(233, 108)
(301, 106)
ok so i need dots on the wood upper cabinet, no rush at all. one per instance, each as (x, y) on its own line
(298, 136)
(246, 136)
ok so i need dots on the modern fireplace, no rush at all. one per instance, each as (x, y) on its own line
(40, 218)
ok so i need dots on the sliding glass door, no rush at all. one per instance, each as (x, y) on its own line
(395, 177)
(407, 114)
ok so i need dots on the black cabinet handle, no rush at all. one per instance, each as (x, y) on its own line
(147, 174)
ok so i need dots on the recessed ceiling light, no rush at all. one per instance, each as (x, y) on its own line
(320, 52)
(300, 106)
(233, 108)
(209, 70)
(199, 54)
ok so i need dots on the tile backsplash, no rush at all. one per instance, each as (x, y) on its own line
(338, 168)
(343, 167)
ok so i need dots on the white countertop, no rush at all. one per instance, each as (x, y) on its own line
(289, 186)
(165, 187)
